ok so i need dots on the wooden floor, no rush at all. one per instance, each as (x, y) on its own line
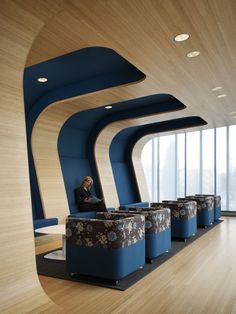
(199, 279)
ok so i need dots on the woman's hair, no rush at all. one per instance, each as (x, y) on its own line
(87, 179)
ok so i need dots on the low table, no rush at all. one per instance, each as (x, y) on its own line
(55, 229)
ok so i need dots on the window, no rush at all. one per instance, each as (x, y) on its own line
(180, 165)
(193, 162)
(146, 159)
(221, 165)
(167, 167)
(232, 168)
(208, 162)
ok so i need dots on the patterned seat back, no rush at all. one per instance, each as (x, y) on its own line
(179, 210)
(108, 232)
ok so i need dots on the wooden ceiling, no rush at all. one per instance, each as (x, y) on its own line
(142, 31)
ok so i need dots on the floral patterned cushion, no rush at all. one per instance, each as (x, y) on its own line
(105, 233)
(179, 210)
(155, 220)
(217, 199)
(204, 203)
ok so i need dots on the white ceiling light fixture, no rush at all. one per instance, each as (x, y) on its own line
(42, 79)
(193, 54)
(216, 88)
(221, 95)
(181, 37)
(108, 107)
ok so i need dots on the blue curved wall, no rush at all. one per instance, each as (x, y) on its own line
(78, 135)
(79, 72)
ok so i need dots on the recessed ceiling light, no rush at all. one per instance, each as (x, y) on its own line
(181, 37)
(221, 95)
(108, 107)
(193, 54)
(42, 79)
(216, 88)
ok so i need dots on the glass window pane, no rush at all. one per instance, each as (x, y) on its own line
(208, 161)
(221, 165)
(193, 163)
(180, 180)
(232, 168)
(155, 169)
(167, 167)
(146, 159)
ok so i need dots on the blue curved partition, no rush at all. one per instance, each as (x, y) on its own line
(78, 135)
(73, 74)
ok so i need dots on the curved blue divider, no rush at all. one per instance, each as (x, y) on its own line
(76, 73)
(78, 135)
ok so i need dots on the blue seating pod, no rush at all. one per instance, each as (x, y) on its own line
(205, 209)
(217, 205)
(157, 230)
(108, 247)
(183, 217)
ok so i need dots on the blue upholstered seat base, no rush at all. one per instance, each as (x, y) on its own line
(105, 263)
(217, 213)
(205, 218)
(140, 204)
(45, 222)
(90, 215)
(157, 243)
(183, 228)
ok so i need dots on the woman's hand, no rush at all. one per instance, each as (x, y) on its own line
(87, 200)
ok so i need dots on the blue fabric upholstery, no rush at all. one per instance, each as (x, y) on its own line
(184, 228)
(158, 243)
(217, 205)
(205, 209)
(183, 217)
(101, 258)
(90, 215)
(217, 213)
(131, 205)
(40, 223)
(157, 229)
(105, 263)
(205, 218)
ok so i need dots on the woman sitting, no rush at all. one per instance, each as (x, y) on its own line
(85, 200)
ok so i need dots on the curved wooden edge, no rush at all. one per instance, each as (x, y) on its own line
(21, 291)
(138, 167)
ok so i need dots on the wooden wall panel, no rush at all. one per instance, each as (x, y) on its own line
(138, 168)
(19, 284)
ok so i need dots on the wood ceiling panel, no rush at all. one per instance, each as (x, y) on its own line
(142, 32)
